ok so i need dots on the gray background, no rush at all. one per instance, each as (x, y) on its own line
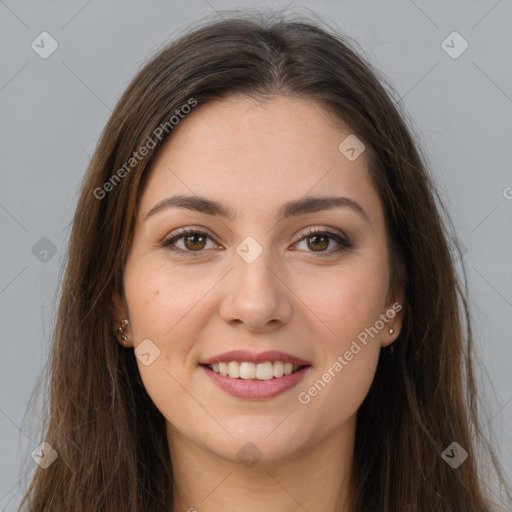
(53, 110)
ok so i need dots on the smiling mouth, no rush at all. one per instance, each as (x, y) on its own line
(254, 371)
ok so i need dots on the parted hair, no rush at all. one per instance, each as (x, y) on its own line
(110, 437)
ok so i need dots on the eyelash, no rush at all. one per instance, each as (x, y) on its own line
(182, 233)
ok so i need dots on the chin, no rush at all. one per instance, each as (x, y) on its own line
(261, 441)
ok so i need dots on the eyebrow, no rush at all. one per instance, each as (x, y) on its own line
(309, 204)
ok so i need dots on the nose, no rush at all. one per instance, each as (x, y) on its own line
(256, 293)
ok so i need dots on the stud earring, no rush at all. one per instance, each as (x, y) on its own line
(120, 330)
(392, 347)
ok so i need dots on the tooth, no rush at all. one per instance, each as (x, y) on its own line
(264, 371)
(234, 369)
(278, 369)
(260, 371)
(247, 370)
(223, 369)
(288, 368)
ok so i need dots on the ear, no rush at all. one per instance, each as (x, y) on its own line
(394, 314)
(119, 314)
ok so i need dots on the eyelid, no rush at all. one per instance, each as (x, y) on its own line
(183, 232)
(341, 239)
(313, 230)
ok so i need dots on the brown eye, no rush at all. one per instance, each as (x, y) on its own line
(188, 241)
(318, 242)
(195, 242)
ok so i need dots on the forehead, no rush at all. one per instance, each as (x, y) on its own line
(255, 155)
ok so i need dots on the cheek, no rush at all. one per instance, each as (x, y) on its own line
(348, 303)
(162, 299)
(343, 377)
(345, 300)
(167, 307)
(338, 389)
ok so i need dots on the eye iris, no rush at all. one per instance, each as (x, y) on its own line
(195, 236)
(316, 237)
(196, 241)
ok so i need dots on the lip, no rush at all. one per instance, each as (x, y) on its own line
(256, 389)
(262, 357)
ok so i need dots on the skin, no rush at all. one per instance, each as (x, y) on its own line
(254, 155)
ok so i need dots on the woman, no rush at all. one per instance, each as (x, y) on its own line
(260, 310)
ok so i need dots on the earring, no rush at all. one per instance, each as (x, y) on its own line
(120, 330)
(392, 347)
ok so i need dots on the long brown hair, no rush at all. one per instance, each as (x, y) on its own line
(110, 438)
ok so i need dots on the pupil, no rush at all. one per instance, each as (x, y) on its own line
(193, 237)
(315, 240)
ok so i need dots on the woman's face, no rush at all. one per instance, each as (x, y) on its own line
(251, 277)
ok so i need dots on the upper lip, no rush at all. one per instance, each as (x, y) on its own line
(262, 357)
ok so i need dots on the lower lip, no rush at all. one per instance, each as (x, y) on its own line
(256, 389)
